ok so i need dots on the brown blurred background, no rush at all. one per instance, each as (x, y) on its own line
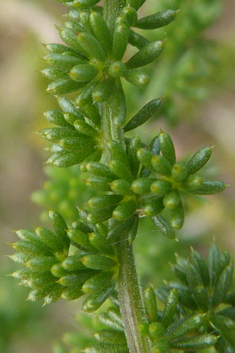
(24, 26)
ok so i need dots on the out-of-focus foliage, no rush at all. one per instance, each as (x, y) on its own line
(192, 68)
(212, 73)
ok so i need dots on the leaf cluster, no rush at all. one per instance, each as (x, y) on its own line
(196, 312)
(131, 179)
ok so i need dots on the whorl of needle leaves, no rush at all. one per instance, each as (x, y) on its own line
(195, 313)
(138, 179)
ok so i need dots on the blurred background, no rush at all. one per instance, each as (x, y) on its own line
(195, 75)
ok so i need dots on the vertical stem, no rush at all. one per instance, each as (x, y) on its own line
(130, 292)
(130, 299)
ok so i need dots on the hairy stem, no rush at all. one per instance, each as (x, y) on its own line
(130, 296)
(130, 299)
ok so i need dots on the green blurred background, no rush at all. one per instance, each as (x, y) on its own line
(185, 76)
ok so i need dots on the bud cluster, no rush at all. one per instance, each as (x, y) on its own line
(54, 271)
(203, 287)
(172, 328)
(91, 61)
(146, 181)
(189, 319)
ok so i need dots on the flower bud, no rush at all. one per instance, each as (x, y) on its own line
(113, 337)
(160, 187)
(70, 38)
(177, 216)
(170, 307)
(150, 302)
(133, 3)
(85, 129)
(103, 201)
(63, 62)
(142, 185)
(117, 69)
(201, 264)
(80, 239)
(103, 245)
(117, 105)
(103, 90)
(30, 248)
(58, 271)
(65, 159)
(52, 73)
(125, 209)
(179, 172)
(74, 26)
(99, 183)
(121, 187)
(145, 156)
(94, 301)
(77, 279)
(130, 14)
(132, 155)
(153, 206)
(161, 165)
(98, 282)
(120, 39)
(167, 147)
(156, 330)
(69, 107)
(64, 85)
(59, 48)
(100, 215)
(137, 78)
(223, 285)
(98, 169)
(72, 293)
(84, 4)
(41, 263)
(56, 117)
(101, 30)
(91, 46)
(117, 153)
(121, 170)
(83, 73)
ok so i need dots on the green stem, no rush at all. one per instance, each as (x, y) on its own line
(130, 291)
(130, 299)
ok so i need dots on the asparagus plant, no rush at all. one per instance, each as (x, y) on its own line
(92, 257)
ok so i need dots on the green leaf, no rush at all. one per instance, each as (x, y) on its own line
(196, 343)
(143, 115)
(146, 55)
(198, 160)
(150, 302)
(164, 227)
(156, 20)
(94, 301)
